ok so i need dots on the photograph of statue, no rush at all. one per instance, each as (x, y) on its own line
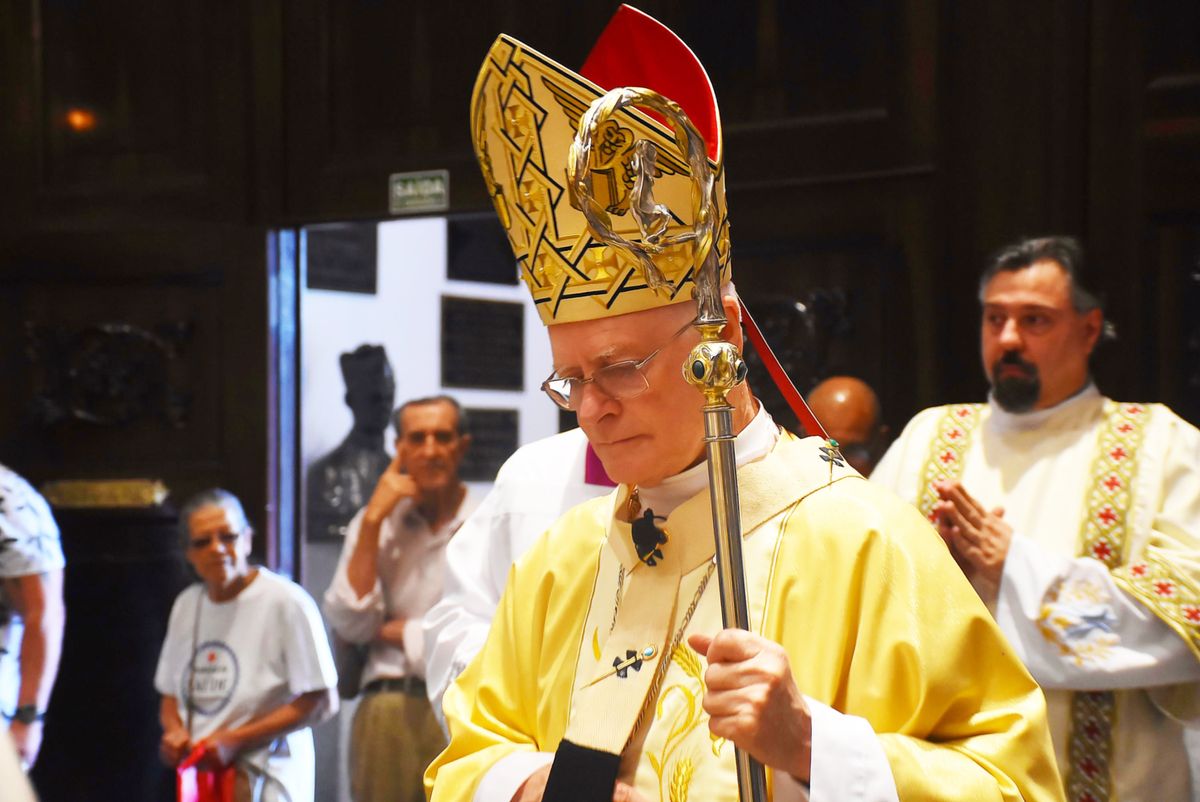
(340, 482)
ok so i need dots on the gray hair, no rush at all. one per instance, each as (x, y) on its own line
(213, 497)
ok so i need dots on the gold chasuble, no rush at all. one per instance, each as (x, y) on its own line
(589, 644)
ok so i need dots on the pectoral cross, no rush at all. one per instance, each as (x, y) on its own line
(832, 454)
(621, 666)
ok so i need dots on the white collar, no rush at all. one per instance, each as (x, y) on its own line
(1035, 419)
(752, 442)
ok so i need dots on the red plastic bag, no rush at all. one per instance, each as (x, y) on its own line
(199, 785)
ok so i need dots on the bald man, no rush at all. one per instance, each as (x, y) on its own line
(849, 410)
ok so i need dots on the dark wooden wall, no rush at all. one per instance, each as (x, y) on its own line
(876, 152)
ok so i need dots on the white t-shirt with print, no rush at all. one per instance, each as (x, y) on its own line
(252, 654)
(29, 545)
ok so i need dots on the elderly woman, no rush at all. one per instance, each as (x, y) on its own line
(245, 669)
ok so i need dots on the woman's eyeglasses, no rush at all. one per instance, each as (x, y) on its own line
(204, 541)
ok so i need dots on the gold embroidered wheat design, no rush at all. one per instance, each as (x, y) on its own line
(681, 779)
(689, 662)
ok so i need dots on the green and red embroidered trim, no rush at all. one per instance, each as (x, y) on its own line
(1092, 715)
(1114, 469)
(1102, 536)
(1167, 592)
(955, 431)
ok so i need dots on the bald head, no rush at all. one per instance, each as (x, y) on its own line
(849, 410)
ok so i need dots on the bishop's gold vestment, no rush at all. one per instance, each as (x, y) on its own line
(876, 618)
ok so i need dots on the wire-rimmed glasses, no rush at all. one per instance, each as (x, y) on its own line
(620, 380)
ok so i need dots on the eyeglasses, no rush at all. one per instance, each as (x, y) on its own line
(620, 380)
(203, 542)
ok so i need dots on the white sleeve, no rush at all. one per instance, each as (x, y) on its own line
(413, 638)
(308, 659)
(173, 656)
(848, 762)
(357, 620)
(477, 562)
(508, 773)
(1074, 628)
(29, 538)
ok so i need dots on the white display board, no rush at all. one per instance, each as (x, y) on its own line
(404, 317)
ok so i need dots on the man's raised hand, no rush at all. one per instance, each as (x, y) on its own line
(392, 486)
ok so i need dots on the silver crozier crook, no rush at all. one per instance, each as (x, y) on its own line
(714, 366)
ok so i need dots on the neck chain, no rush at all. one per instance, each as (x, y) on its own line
(665, 658)
(633, 505)
(617, 600)
(660, 669)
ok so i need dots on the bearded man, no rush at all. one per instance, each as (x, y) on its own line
(1077, 519)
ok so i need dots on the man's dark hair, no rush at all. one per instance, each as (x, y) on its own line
(460, 414)
(1067, 253)
(1023, 253)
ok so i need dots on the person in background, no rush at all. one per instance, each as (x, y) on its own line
(389, 575)
(32, 613)
(849, 410)
(533, 488)
(245, 669)
(1077, 520)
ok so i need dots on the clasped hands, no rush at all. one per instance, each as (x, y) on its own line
(978, 539)
(751, 699)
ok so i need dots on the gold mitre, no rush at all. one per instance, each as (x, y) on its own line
(525, 111)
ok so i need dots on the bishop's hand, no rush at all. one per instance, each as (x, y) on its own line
(752, 700)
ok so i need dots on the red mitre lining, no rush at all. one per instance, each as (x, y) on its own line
(637, 50)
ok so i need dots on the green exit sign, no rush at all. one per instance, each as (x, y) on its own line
(425, 191)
